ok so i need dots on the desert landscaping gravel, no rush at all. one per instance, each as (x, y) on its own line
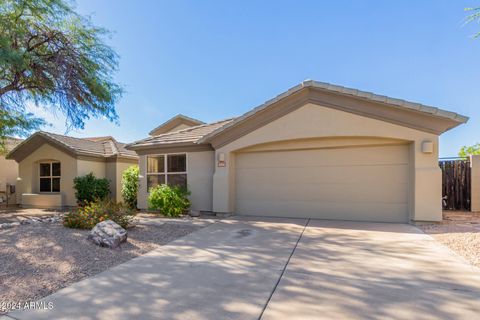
(37, 260)
(460, 232)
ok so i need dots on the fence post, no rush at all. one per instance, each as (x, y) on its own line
(475, 183)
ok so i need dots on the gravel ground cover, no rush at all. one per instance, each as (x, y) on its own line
(460, 231)
(37, 260)
(16, 214)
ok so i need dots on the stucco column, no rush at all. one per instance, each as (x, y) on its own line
(224, 183)
(142, 194)
(475, 181)
(427, 183)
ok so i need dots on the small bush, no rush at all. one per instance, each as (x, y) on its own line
(170, 201)
(88, 216)
(130, 186)
(88, 188)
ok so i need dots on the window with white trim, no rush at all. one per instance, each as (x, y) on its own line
(50, 173)
(168, 169)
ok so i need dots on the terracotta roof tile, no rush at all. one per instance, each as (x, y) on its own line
(104, 147)
(185, 136)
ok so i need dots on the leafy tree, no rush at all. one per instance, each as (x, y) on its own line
(465, 151)
(130, 186)
(473, 16)
(14, 123)
(56, 59)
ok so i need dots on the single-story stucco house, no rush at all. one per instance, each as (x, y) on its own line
(48, 163)
(317, 151)
(8, 173)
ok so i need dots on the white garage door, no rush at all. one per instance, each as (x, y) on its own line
(359, 183)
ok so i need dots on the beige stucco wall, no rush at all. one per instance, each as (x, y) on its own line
(313, 121)
(142, 183)
(111, 175)
(8, 175)
(71, 167)
(29, 172)
(36, 200)
(475, 183)
(200, 167)
(96, 167)
(112, 170)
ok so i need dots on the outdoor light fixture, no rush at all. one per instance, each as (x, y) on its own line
(427, 146)
(221, 160)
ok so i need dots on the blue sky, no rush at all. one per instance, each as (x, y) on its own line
(216, 59)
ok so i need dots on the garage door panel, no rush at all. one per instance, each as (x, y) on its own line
(394, 154)
(330, 175)
(381, 212)
(342, 193)
(307, 184)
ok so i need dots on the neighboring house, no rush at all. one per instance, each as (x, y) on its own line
(8, 174)
(317, 150)
(178, 122)
(49, 162)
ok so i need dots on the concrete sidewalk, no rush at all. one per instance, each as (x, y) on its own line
(246, 268)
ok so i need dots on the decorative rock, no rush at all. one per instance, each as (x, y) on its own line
(194, 213)
(31, 220)
(108, 234)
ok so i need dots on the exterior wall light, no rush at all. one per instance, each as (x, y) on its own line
(221, 160)
(427, 146)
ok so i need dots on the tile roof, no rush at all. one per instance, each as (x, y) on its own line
(104, 147)
(185, 136)
(173, 122)
(398, 103)
(8, 145)
(11, 143)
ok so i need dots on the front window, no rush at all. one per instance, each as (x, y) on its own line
(50, 177)
(168, 169)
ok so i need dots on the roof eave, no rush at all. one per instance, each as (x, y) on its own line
(433, 112)
(136, 147)
(42, 135)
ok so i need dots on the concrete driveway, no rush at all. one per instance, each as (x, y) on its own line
(246, 268)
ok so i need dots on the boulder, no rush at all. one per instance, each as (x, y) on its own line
(108, 234)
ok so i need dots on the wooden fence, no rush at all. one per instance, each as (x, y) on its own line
(456, 184)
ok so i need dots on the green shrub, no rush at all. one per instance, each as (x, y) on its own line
(88, 188)
(170, 201)
(88, 216)
(130, 186)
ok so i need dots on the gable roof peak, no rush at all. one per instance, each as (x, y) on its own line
(189, 135)
(101, 147)
(313, 87)
(174, 122)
